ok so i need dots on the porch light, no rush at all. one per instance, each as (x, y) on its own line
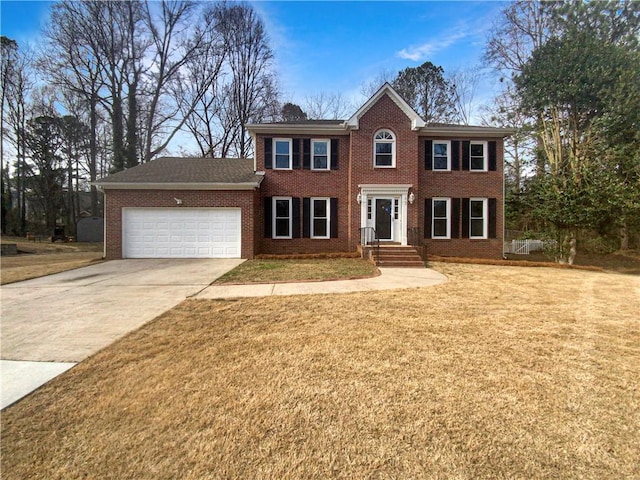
(359, 198)
(412, 198)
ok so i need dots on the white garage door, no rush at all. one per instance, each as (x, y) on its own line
(181, 232)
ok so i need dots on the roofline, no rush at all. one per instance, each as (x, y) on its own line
(466, 130)
(471, 131)
(298, 128)
(176, 186)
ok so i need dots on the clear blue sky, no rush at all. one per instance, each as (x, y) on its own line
(336, 46)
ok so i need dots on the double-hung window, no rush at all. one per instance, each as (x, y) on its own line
(442, 155)
(282, 153)
(320, 218)
(320, 154)
(384, 147)
(478, 218)
(478, 156)
(440, 218)
(282, 217)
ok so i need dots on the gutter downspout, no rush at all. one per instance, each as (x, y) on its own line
(104, 220)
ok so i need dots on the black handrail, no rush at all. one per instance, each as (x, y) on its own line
(368, 236)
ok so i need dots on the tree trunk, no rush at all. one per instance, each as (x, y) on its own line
(572, 249)
(119, 155)
(624, 236)
(132, 127)
(93, 151)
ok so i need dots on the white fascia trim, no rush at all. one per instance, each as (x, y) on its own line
(288, 129)
(467, 131)
(416, 121)
(177, 186)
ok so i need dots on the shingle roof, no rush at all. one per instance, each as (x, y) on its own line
(308, 122)
(187, 171)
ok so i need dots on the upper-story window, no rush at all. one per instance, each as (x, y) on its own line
(384, 144)
(320, 154)
(442, 155)
(282, 153)
(478, 156)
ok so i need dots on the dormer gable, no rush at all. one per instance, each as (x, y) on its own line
(416, 121)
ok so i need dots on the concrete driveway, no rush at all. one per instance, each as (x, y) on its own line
(68, 316)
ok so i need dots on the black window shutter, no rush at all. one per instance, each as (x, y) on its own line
(295, 220)
(268, 219)
(428, 155)
(427, 217)
(268, 152)
(492, 156)
(465, 155)
(493, 210)
(465, 218)
(333, 205)
(306, 217)
(334, 154)
(306, 153)
(455, 218)
(296, 152)
(455, 155)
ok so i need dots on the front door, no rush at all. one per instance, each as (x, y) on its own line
(384, 211)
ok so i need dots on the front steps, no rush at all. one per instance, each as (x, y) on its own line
(397, 256)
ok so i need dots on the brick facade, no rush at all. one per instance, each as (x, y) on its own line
(409, 179)
(116, 200)
(357, 168)
(301, 183)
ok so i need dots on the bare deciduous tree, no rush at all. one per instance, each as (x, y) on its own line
(465, 82)
(254, 91)
(524, 26)
(327, 105)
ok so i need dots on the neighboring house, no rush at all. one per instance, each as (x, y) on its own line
(319, 186)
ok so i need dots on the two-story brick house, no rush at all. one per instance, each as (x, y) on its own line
(320, 186)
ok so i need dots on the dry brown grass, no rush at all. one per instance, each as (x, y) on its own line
(299, 270)
(37, 259)
(24, 267)
(503, 372)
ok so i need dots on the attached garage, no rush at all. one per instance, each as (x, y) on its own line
(182, 208)
(181, 232)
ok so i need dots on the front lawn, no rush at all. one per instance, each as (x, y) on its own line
(37, 259)
(298, 270)
(502, 372)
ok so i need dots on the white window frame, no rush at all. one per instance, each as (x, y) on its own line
(275, 155)
(275, 217)
(433, 155)
(485, 218)
(447, 200)
(327, 218)
(391, 141)
(485, 146)
(321, 140)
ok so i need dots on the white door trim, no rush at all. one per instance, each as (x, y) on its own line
(399, 192)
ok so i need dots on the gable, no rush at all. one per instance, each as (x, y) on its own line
(386, 91)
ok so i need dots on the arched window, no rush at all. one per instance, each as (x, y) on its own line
(384, 148)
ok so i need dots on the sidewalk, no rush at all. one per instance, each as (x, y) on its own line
(389, 279)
